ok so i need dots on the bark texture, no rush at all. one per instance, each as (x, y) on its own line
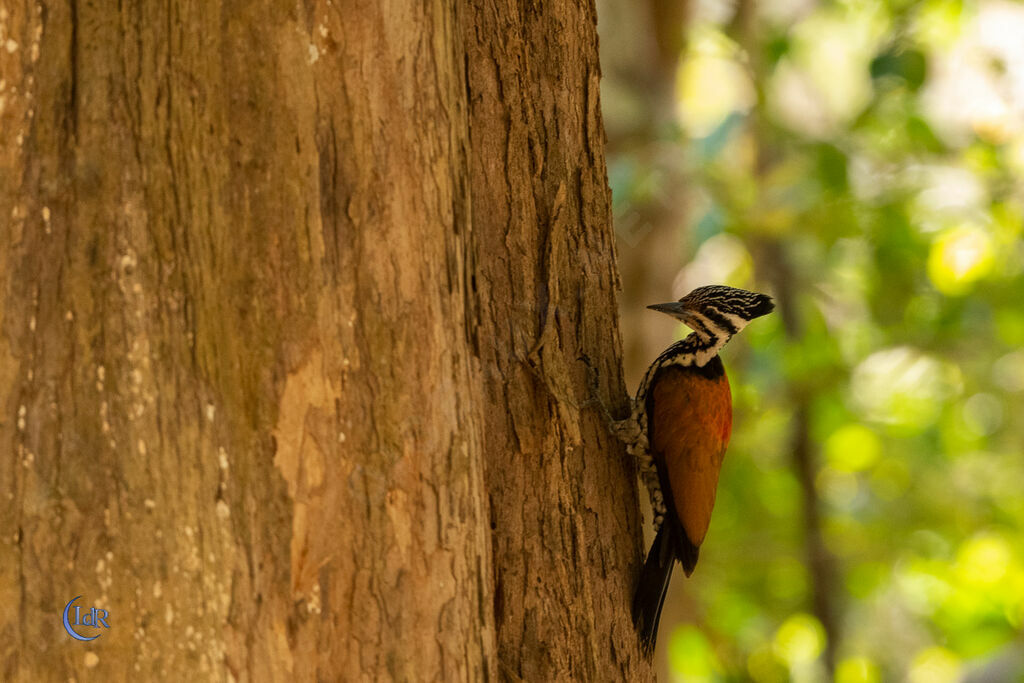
(546, 303)
(298, 304)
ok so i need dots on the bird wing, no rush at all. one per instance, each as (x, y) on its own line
(690, 421)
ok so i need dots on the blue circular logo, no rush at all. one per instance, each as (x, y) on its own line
(94, 618)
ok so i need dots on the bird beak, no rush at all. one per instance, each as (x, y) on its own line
(675, 309)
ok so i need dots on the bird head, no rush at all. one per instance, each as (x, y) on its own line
(717, 312)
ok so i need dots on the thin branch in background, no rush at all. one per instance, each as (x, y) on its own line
(820, 562)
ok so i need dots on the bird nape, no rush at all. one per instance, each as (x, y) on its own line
(679, 429)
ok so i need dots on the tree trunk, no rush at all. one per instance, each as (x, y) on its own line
(298, 305)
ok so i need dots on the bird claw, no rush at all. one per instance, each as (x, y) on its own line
(594, 395)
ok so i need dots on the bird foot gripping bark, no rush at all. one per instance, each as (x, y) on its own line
(594, 399)
(632, 432)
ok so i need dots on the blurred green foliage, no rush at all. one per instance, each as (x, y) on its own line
(879, 146)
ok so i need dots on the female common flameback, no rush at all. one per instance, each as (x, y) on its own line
(679, 429)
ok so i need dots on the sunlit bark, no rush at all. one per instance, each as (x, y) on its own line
(298, 302)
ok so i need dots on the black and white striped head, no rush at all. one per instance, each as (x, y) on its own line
(716, 312)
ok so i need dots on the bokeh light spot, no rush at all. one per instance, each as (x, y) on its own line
(799, 640)
(1008, 371)
(959, 257)
(935, 665)
(922, 586)
(712, 83)
(857, 670)
(903, 387)
(721, 258)
(852, 448)
(983, 414)
(690, 655)
(984, 560)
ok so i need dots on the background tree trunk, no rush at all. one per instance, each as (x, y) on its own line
(640, 55)
(298, 304)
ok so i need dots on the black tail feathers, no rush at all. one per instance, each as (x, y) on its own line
(654, 579)
(651, 589)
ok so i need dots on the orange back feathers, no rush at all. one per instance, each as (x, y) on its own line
(690, 424)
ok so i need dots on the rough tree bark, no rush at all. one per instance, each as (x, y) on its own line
(298, 301)
(546, 310)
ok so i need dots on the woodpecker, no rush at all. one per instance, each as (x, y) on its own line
(679, 428)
